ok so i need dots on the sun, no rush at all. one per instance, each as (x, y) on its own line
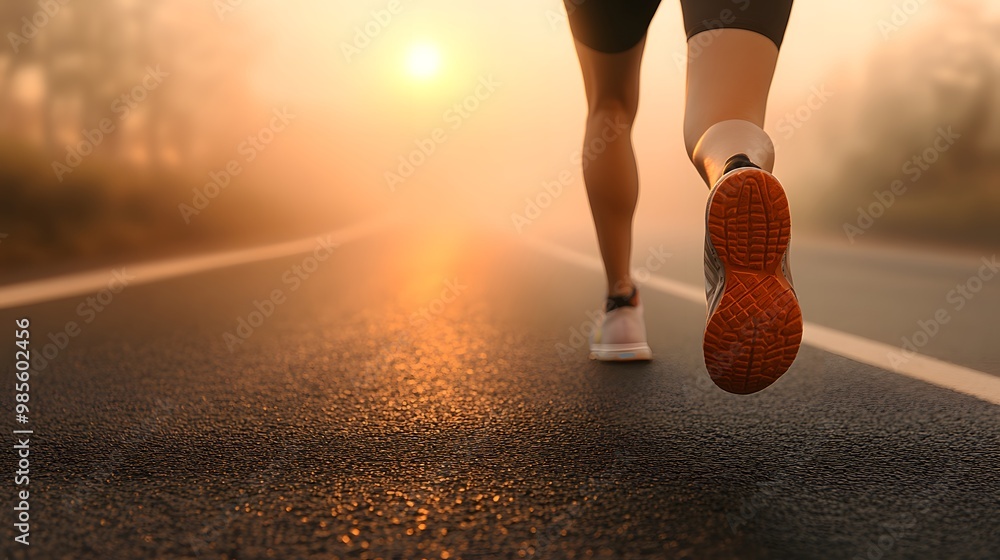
(423, 61)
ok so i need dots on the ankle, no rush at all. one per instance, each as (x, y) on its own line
(630, 299)
(737, 161)
(621, 288)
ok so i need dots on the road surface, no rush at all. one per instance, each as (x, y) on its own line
(428, 395)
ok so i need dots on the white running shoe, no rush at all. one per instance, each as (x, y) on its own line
(621, 334)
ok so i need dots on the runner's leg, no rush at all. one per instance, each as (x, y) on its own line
(611, 82)
(728, 77)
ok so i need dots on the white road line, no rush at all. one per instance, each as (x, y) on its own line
(26, 293)
(929, 370)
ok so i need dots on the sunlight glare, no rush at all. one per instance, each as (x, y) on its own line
(423, 61)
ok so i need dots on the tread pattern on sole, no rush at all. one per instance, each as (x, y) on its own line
(754, 333)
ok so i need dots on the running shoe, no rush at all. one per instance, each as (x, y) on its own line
(620, 335)
(754, 324)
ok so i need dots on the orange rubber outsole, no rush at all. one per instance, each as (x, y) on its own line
(753, 335)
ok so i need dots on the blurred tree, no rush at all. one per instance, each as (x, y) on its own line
(923, 82)
(94, 58)
(91, 61)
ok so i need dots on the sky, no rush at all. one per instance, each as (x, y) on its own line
(489, 164)
(453, 112)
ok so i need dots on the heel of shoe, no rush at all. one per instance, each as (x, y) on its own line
(754, 332)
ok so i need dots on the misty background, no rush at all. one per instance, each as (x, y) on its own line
(132, 129)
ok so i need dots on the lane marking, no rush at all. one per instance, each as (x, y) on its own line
(924, 368)
(36, 291)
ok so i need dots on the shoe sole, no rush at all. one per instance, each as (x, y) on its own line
(620, 352)
(753, 335)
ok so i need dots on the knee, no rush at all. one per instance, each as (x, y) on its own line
(698, 125)
(695, 127)
(618, 111)
(691, 138)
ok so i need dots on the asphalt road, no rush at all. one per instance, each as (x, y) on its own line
(425, 396)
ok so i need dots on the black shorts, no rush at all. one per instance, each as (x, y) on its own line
(612, 26)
